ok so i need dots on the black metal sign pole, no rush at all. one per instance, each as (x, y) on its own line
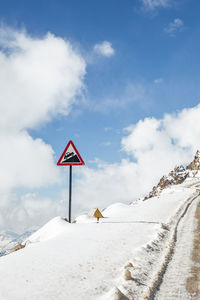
(70, 192)
(70, 157)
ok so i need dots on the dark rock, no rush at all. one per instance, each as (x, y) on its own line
(195, 164)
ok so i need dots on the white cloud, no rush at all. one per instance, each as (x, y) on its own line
(39, 79)
(26, 162)
(176, 26)
(27, 211)
(105, 48)
(154, 147)
(151, 5)
(183, 128)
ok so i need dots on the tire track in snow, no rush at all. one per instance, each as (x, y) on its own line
(172, 282)
(192, 283)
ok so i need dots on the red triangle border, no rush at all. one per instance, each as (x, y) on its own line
(81, 163)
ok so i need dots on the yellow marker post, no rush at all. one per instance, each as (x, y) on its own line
(95, 212)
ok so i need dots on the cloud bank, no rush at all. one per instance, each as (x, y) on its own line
(28, 211)
(152, 147)
(40, 78)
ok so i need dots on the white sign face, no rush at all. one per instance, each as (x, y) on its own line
(70, 156)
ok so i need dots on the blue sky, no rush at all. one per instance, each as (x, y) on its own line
(152, 70)
(144, 52)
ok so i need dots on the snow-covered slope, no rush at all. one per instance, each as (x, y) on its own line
(86, 260)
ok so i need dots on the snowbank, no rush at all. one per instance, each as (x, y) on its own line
(53, 228)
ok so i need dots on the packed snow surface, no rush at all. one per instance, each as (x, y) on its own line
(180, 264)
(85, 260)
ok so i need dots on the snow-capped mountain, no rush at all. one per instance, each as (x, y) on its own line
(9, 239)
(6, 237)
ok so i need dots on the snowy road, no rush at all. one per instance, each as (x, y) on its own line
(181, 278)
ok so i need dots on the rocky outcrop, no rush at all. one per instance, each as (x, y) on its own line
(176, 176)
(195, 164)
(17, 247)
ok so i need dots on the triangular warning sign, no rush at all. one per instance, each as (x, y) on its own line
(70, 156)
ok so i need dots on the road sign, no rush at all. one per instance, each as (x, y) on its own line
(70, 157)
(95, 212)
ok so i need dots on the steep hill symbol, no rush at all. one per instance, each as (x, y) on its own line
(70, 157)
